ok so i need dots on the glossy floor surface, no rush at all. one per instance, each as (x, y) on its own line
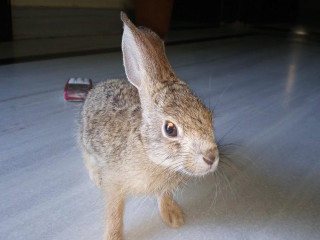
(265, 92)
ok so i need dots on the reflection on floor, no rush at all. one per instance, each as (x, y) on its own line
(265, 93)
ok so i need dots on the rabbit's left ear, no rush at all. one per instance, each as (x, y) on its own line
(144, 57)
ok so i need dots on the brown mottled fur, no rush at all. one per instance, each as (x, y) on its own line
(122, 136)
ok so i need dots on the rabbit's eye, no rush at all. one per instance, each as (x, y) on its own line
(171, 129)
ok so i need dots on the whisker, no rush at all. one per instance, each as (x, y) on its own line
(221, 94)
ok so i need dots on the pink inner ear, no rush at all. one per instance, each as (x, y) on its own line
(131, 57)
(143, 55)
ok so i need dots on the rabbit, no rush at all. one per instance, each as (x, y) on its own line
(147, 135)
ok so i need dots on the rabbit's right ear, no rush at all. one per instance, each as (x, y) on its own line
(130, 51)
(144, 57)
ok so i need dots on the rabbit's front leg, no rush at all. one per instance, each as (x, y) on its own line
(170, 211)
(114, 216)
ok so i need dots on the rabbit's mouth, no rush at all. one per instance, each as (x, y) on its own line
(200, 167)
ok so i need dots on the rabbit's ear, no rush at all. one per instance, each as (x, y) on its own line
(144, 55)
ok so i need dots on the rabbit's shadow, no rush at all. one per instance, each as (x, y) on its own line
(237, 197)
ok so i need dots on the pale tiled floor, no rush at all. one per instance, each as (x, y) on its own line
(266, 96)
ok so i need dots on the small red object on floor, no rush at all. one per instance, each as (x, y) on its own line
(76, 89)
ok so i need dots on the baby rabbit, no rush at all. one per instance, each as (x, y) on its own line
(145, 137)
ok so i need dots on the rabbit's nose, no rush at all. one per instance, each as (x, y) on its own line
(211, 156)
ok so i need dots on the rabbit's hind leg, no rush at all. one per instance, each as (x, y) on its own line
(94, 169)
(170, 211)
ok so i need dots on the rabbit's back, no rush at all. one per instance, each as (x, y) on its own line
(113, 95)
(110, 115)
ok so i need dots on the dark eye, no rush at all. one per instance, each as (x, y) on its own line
(170, 129)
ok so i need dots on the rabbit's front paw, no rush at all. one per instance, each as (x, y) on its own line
(171, 212)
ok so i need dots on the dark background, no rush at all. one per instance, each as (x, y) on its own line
(47, 31)
(5, 21)
(206, 13)
(215, 13)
